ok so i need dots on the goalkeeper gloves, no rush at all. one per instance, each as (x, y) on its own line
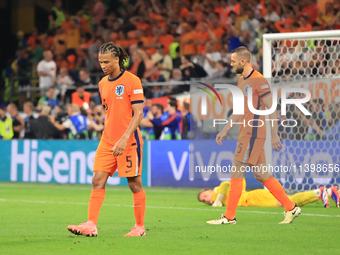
(218, 201)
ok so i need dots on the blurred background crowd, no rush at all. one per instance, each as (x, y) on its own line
(168, 41)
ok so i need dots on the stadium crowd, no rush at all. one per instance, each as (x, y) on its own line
(170, 41)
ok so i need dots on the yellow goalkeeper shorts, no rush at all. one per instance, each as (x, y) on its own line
(259, 198)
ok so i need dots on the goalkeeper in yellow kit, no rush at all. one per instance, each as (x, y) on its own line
(263, 198)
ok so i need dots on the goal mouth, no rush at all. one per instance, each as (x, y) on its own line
(308, 60)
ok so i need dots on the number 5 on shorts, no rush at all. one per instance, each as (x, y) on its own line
(128, 160)
(239, 148)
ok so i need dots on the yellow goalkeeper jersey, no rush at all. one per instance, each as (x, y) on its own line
(257, 198)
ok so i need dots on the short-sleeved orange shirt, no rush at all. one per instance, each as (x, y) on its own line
(201, 36)
(218, 32)
(166, 40)
(121, 43)
(184, 13)
(142, 25)
(189, 48)
(118, 96)
(260, 90)
(31, 41)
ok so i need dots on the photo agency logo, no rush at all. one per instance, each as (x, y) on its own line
(238, 103)
(204, 107)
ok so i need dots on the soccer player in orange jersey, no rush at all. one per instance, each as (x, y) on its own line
(121, 145)
(249, 150)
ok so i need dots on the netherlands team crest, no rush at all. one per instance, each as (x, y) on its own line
(119, 90)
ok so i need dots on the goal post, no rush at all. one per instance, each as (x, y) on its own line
(298, 57)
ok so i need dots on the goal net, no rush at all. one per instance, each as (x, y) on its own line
(311, 144)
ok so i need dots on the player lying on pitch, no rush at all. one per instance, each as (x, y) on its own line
(263, 198)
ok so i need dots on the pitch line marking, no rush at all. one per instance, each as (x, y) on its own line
(159, 207)
(109, 188)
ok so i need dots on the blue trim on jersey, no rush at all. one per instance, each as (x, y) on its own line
(138, 154)
(252, 142)
(256, 117)
(265, 94)
(137, 138)
(138, 145)
(245, 155)
(137, 102)
(249, 75)
(120, 75)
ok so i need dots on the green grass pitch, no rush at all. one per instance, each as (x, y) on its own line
(34, 220)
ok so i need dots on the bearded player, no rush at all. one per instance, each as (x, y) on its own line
(251, 139)
(121, 145)
(263, 198)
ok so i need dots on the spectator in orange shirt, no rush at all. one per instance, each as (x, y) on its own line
(304, 26)
(122, 40)
(203, 19)
(310, 10)
(71, 60)
(73, 39)
(131, 38)
(219, 9)
(165, 39)
(48, 40)
(66, 24)
(326, 18)
(31, 40)
(155, 75)
(82, 22)
(188, 37)
(192, 18)
(202, 37)
(284, 26)
(140, 34)
(184, 12)
(61, 61)
(216, 30)
(60, 40)
(86, 41)
(233, 6)
(139, 22)
(80, 97)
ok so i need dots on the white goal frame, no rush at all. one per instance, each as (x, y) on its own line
(267, 64)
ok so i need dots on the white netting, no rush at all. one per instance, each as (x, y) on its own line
(315, 141)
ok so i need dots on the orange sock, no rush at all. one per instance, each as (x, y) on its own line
(139, 207)
(278, 192)
(96, 200)
(235, 192)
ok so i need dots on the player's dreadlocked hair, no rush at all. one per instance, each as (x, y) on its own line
(117, 51)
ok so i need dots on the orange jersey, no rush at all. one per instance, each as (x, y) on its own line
(260, 90)
(118, 96)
